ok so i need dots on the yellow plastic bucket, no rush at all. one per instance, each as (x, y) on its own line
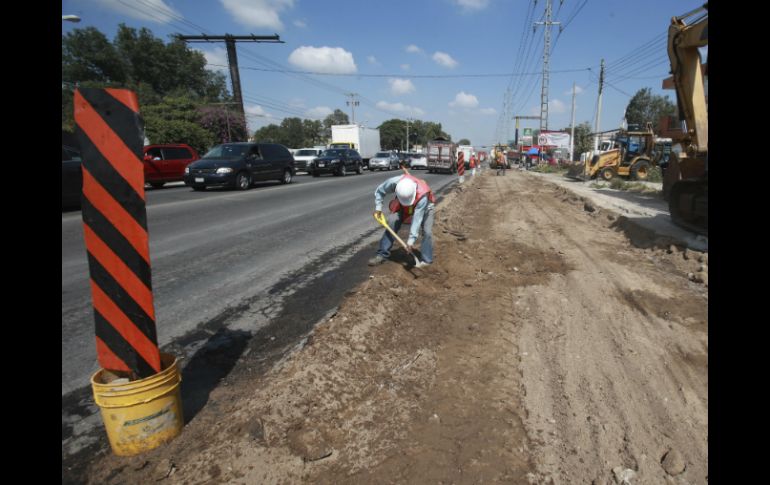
(140, 415)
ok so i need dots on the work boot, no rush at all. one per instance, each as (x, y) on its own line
(421, 264)
(377, 260)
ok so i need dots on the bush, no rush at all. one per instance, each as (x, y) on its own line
(655, 175)
(549, 168)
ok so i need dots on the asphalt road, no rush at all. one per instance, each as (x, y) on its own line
(223, 252)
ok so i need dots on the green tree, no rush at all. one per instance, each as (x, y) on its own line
(176, 120)
(167, 67)
(336, 118)
(583, 141)
(292, 133)
(464, 141)
(647, 107)
(170, 81)
(87, 55)
(271, 133)
(429, 131)
(392, 134)
(313, 130)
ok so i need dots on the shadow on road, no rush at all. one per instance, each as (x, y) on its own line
(212, 363)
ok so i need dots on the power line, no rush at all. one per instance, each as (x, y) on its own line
(636, 52)
(405, 76)
(617, 89)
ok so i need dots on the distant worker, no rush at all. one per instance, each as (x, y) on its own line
(501, 163)
(473, 164)
(414, 204)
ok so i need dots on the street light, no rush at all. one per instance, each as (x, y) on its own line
(70, 18)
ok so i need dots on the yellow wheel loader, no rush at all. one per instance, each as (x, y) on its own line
(498, 149)
(631, 159)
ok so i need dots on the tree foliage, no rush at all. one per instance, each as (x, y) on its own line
(337, 118)
(224, 123)
(393, 133)
(583, 141)
(293, 133)
(170, 80)
(647, 107)
(464, 141)
(87, 55)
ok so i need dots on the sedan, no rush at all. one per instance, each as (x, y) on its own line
(384, 161)
(418, 160)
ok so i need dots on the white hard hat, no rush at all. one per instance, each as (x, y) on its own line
(406, 191)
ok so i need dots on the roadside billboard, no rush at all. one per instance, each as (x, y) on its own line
(556, 139)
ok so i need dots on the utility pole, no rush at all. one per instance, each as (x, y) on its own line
(232, 57)
(353, 103)
(546, 58)
(572, 136)
(407, 134)
(599, 107)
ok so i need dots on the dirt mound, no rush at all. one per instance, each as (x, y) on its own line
(541, 346)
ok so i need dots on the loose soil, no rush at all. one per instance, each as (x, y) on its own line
(543, 346)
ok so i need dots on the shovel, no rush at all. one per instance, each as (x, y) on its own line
(384, 222)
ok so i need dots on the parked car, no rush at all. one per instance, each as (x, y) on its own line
(239, 165)
(418, 160)
(71, 177)
(167, 163)
(337, 161)
(303, 156)
(384, 161)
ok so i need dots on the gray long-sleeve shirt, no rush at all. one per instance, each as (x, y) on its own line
(389, 187)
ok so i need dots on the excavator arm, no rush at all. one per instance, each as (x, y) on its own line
(684, 40)
(685, 181)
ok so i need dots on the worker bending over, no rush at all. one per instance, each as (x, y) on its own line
(414, 204)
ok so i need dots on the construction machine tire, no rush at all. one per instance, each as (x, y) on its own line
(641, 170)
(607, 174)
(688, 205)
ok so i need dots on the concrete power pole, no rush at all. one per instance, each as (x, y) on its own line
(572, 136)
(546, 59)
(599, 107)
(232, 57)
(407, 135)
(353, 103)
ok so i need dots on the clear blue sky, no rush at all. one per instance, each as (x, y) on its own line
(379, 49)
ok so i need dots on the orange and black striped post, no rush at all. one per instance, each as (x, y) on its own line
(111, 135)
(461, 165)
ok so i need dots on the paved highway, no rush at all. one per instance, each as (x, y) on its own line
(220, 255)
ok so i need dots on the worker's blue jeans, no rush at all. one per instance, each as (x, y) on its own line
(426, 247)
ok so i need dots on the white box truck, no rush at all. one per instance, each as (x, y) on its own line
(366, 141)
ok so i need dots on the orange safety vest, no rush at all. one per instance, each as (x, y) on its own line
(407, 212)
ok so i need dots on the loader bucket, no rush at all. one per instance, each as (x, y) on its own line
(578, 171)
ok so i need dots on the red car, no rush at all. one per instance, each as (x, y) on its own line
(166, 163)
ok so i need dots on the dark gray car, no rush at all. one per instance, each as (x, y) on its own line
(239, 165)
(337, 161)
